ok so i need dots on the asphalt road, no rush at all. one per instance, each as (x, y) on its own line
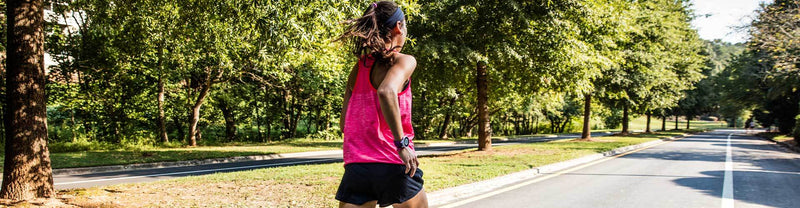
(133, 176)
(691, 172)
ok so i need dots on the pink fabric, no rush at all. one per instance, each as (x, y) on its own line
(367, 136)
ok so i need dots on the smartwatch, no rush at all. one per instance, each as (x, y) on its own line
(402, 143)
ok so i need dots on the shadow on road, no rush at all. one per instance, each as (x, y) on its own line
(763, 174)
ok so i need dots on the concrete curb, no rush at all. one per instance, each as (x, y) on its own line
(458, 193)
(141, 166)
(440, 144)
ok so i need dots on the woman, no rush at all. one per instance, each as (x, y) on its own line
(380, 162)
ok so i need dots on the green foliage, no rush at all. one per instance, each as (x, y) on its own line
(271, 72)
(796, 133)
(612, 119)
(765, 78)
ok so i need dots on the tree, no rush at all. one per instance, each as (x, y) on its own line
(468, 36)
(765, 78)
(26, 172)
(662, 56)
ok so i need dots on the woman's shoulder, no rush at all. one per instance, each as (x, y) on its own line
(405, 59)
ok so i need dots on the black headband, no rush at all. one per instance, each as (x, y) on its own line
(397, 16)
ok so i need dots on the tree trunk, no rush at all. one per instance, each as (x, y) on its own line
(676, 122)
(484, 129)
(269, 130)
(663, 123)
(160, 122)
(447, 120)
(26, 172)
(195, 114)
(625, 119)
(518, 124)
(443, 129)
(296, 121)
(257, 117)
(74, 125)
(318, 119)
(230, 120)
(647, 128)
(587, 113)
(688, 121)
(563, 127)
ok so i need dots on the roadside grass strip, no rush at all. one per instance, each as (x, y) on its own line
(122, 157)
(95, 158)
(100, 155)
(315, 185)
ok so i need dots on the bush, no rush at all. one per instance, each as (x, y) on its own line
(613, 119)
(332, 133)
(79, 146)
(709, 118)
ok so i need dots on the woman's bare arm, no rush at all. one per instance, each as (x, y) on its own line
(393, 83)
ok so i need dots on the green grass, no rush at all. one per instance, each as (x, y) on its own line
(315, 185)
(778, 137)
(474, 138)
(162, 154)
(93, 158)
(139, 154)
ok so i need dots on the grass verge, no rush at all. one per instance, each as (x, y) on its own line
(92, 158)
(315, 185)
(163, 154)
(778, 137)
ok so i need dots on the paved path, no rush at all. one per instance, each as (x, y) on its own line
(108, 178)
(696, 171)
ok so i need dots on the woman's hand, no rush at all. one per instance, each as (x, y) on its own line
(409, 158)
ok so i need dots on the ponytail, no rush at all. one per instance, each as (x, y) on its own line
(367, 35)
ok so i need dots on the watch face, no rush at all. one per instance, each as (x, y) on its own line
(405, 141)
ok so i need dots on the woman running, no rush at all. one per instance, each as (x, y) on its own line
(380, 164)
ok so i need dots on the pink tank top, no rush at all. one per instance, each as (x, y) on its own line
(367, 136)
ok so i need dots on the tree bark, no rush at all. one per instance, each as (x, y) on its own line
(447, 120)
(647, 128)
(484, 129)
(587, 112)
(663, 123)
(195, 114)
(688, 121)
(160, 122)
(625, 119)
(676, 121)
(27, 173)
(230, 120)
(296, 120)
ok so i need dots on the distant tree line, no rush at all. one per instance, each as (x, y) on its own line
(761, 84)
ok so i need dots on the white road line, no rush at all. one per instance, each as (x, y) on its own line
(196, 171)
(727, 187)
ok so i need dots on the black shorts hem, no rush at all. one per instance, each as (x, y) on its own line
(352, 202)
(402, 200)
(386, 183)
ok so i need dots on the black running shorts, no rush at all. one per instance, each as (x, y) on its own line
(387, 183)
